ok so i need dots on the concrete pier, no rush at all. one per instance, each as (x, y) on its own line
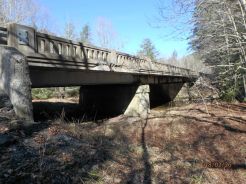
(140, 103)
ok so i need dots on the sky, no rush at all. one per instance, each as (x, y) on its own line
(132, 20)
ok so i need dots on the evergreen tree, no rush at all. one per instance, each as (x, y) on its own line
(148, 50)
(85, 34)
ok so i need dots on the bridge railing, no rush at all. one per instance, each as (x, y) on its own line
(51, 51)
(3, 35)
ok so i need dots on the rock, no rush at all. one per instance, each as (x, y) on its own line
(6, 140)
(15, 124)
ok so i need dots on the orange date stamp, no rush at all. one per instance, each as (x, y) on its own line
(218, 165)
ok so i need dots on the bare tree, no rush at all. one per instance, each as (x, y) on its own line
(69, 32)
(16, 11)
(218, 35)
(176, 16)
(26, 12)
(220, 38)
(106, 35)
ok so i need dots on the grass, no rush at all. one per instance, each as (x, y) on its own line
(197, 179)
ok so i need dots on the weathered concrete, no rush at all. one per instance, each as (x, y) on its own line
(15, 81)
(140, 104)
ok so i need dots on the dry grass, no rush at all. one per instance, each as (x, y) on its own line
(176, 145)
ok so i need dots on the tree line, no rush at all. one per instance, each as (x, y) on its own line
(218, 37)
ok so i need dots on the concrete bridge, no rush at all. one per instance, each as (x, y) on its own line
(109, 80)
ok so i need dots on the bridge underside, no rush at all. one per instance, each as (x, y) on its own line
(112, 93)
(130, 99)
(51, 77)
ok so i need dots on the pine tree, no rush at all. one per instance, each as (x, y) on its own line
(148, 50)
(85, 34)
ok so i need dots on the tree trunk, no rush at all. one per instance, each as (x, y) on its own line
(243, 2)
(244, 85)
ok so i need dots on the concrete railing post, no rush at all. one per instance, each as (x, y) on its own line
(22, 38)
(113, 57)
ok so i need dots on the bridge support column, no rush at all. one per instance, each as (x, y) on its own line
(132, 100)
(15, 81)
(140, 104)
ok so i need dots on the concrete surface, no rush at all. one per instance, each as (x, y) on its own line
(140, 103)
(15, 81)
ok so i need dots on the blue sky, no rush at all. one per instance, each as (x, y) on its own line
(130, 18)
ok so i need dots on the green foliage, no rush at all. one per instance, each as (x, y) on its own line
(197, 179)
(46, 93)
(228, 95)
(72, 92)
(148, 50)
(43, 93)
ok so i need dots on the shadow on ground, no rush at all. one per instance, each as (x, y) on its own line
(175, 145)
(71, 111)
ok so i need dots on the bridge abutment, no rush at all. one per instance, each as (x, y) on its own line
(15, 81)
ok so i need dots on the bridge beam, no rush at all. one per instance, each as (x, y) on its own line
(15, 81)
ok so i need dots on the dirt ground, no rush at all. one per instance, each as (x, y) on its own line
(192, 143)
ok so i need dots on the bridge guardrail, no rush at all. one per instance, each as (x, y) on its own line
(48, 50)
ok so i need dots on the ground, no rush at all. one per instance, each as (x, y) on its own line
(191, 143)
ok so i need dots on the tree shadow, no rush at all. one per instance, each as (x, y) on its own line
(145, 157)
